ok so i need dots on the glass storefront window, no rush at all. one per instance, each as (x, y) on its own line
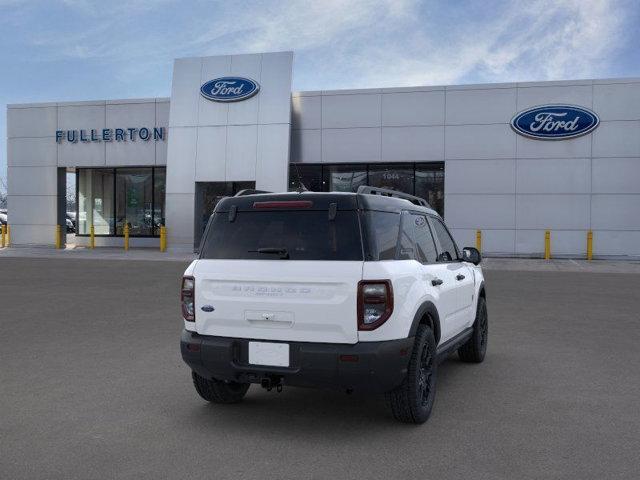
(159, 193)
(309, 175)
(392, 176)
(134, 192)
(425, 180)
(344, 178)
(95, 201)
(111, 198)
(430, 185)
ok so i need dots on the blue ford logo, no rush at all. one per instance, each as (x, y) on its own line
(229, 89)
(555, 122)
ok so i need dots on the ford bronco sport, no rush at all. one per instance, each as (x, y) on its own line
(361, 291)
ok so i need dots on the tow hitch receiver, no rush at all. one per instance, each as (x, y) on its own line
(271, 382)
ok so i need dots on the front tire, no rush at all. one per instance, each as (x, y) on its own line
(412, 401)
(217, 391)
(474, 350)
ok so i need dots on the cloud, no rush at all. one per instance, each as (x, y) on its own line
(555, 40)
(130, 44)
(361, 43)
(543, 40)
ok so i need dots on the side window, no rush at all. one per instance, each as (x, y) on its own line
(425, 247)
(382, 234)
(406, 241)
(449, 250)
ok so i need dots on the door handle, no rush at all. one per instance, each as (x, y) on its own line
(436, 281)
(459, 277)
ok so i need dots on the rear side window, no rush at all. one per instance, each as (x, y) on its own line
(407, 238)
(382, 234)
(449, 251)
(273, 235)
(425, 246)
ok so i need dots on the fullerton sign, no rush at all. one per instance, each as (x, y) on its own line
(110, 135)
(555, 122)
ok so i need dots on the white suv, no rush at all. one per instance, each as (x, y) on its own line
(360, 291)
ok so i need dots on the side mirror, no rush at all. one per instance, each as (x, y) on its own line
(471, 255)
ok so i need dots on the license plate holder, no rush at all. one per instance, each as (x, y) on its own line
(269, 354)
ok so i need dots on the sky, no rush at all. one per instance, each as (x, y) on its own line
(95, 49)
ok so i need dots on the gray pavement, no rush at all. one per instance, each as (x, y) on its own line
(92, 386)
(630, 265)
(102, 253)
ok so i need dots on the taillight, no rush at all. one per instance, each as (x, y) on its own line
(375, 303)
(187, 298)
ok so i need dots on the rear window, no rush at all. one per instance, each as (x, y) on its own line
(273, 235)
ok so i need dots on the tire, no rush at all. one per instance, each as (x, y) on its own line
(474, 350)
(217, 391)
(412, 401)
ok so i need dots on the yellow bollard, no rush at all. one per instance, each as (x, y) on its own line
(163, 238)
(3, 234)
(126, 237)
(8, 235)
(479, 240)
(547, 244)
(589, 245)
(92, 237)
(58, 237)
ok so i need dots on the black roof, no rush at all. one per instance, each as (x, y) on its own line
(321, 201)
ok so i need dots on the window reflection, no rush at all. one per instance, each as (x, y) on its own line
(309, 175)
(159, 194)
(344, 178)
(430, 185)
(425, 180)
(134, 190)
(95, 201)
(392, 176)
(110, 198)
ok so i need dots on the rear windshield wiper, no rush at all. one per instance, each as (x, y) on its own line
(284, 254)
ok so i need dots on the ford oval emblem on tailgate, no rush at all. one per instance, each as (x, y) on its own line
(207, 308)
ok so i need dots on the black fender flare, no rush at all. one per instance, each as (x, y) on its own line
(427, 308)
(482, 292)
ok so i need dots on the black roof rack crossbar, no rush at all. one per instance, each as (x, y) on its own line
(384, 192)
(249, 191)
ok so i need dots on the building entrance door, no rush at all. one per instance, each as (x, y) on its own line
(208, 194)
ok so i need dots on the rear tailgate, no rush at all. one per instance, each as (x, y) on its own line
(288, 300)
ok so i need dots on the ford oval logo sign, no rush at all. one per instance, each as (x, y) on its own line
(555, 122)
(229, 89)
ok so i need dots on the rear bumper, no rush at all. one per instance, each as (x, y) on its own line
(365, 366)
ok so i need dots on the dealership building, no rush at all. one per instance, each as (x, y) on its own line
(512, 160)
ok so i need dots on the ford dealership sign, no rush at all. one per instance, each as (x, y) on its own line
(555, 122)
(229, 89)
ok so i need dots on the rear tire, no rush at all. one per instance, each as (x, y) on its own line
(474, 350)
(217, 391)
(412, 401)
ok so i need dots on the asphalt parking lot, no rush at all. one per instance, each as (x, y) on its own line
(92, 386)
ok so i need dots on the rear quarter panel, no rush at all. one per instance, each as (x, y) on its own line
(409, 292)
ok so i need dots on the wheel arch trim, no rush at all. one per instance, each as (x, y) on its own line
(427, 308)
(482, 292)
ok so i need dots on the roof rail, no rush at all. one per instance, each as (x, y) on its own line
(249, 191)
(384, 192)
